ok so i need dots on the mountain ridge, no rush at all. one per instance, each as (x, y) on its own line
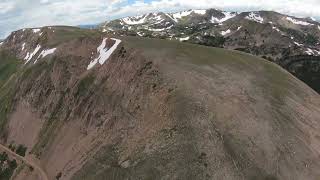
(268, 34)
(154, 109)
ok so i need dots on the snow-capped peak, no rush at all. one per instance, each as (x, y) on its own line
(299, 22)
(254, 16)
(180, 15)
(227, 16)
(134, 20)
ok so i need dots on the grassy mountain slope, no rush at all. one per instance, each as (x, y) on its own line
(161, 109)
(276, 37)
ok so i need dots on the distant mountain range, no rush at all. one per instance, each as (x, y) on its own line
(271, 35)
(88, 26)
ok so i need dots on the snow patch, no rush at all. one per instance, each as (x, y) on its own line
(295, 21)
(312, 52)
(255, 17)
(227, 16)
(134, 20)
(159, 21)
(35, 30)
(298, 44)
(30, 55)
(104, 53)
(275, 28)
(319, 27)
(223, 33)
(156, 30)
(184, 39)
(23, 45)
(156, 19)
(180, 15)
(309, 51)
(168, 15)
(45, 52)
(140, 34)
(239, 28)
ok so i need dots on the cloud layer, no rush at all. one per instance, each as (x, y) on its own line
(16, 14)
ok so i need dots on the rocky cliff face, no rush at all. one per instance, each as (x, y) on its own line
(154, 109)
(267, 34)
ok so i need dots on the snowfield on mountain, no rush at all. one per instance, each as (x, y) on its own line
(273, 36)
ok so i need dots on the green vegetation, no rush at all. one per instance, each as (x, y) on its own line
(84, 85)
(279, 82)
(53, 122)
(12, 147)
(64, 33)
(21, 150)
(18, 170)
(8, 67)
(7, 166)
(35, 70)
(48, 129)
(50, 124)
(297, 34)
(311, 39)
(6, 102)
(213, 41)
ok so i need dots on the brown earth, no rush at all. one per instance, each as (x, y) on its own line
(27, 122)
(163, 110)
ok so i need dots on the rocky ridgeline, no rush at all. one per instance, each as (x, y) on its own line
(268, 34)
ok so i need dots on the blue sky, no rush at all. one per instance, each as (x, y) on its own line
(17, 14)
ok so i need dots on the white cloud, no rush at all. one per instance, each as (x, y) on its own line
(303, 8)
(6, 7)
(16, 14)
